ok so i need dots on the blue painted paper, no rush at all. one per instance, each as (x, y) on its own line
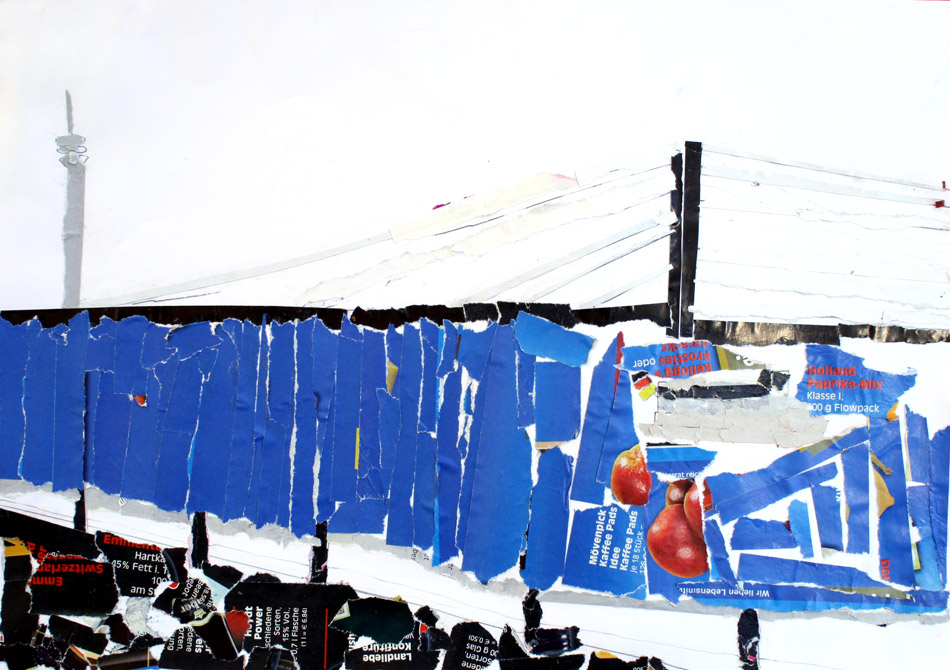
(408, 389)
(940, 495)
(798, 519)
(774, 570)
(14, 347)
(241, 448)
(828, 515)
(36, 464)
(550, 514)
(557, 402)
(373, 372)
(758, 499)
(346, 399)
(896, 559)
(855, 463)
(448, 471)
(526, 392)
(621, 434)
(546, 339)
(302, 512)
(751, 533)
(68, 438)
(585, 487)
(501, 487)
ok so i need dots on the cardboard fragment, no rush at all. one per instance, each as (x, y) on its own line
(543, 338)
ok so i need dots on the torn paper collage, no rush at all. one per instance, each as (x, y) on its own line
(528, 454)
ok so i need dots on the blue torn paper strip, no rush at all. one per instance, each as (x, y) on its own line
(501, 486)
(751, 533)
(373, 365)
(241, 450)
(302, 512)
(39, 407)
(621, 435)
(607, 551)
(744, 505)
(14, 346)
(678, 462)
(672, 359)
(448, 471)
(828, 516)
(585, 487)
(836, 382)
(408, 390)
(856, 463)
(69, 439)
(798, 519)
(550, 514)
(557, 402)
(940, 495)
(215, 418)
(719, 567)
(893, 529)
(789, 598)
(774, 570)
(548, 340)
(527, 396)
(346, 399)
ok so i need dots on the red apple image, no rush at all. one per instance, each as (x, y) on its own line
(676, 491)
(675, 546)
(694, 506)
(629, 479)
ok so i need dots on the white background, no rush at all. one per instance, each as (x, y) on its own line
(226, 135)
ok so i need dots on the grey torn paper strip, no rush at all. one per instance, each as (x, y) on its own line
(772, 419)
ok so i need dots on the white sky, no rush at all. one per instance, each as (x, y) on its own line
(225, 135)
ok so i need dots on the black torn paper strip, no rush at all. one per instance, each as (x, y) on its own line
(377, 618)
(139, 568)
(473, 647)
(73, 585)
